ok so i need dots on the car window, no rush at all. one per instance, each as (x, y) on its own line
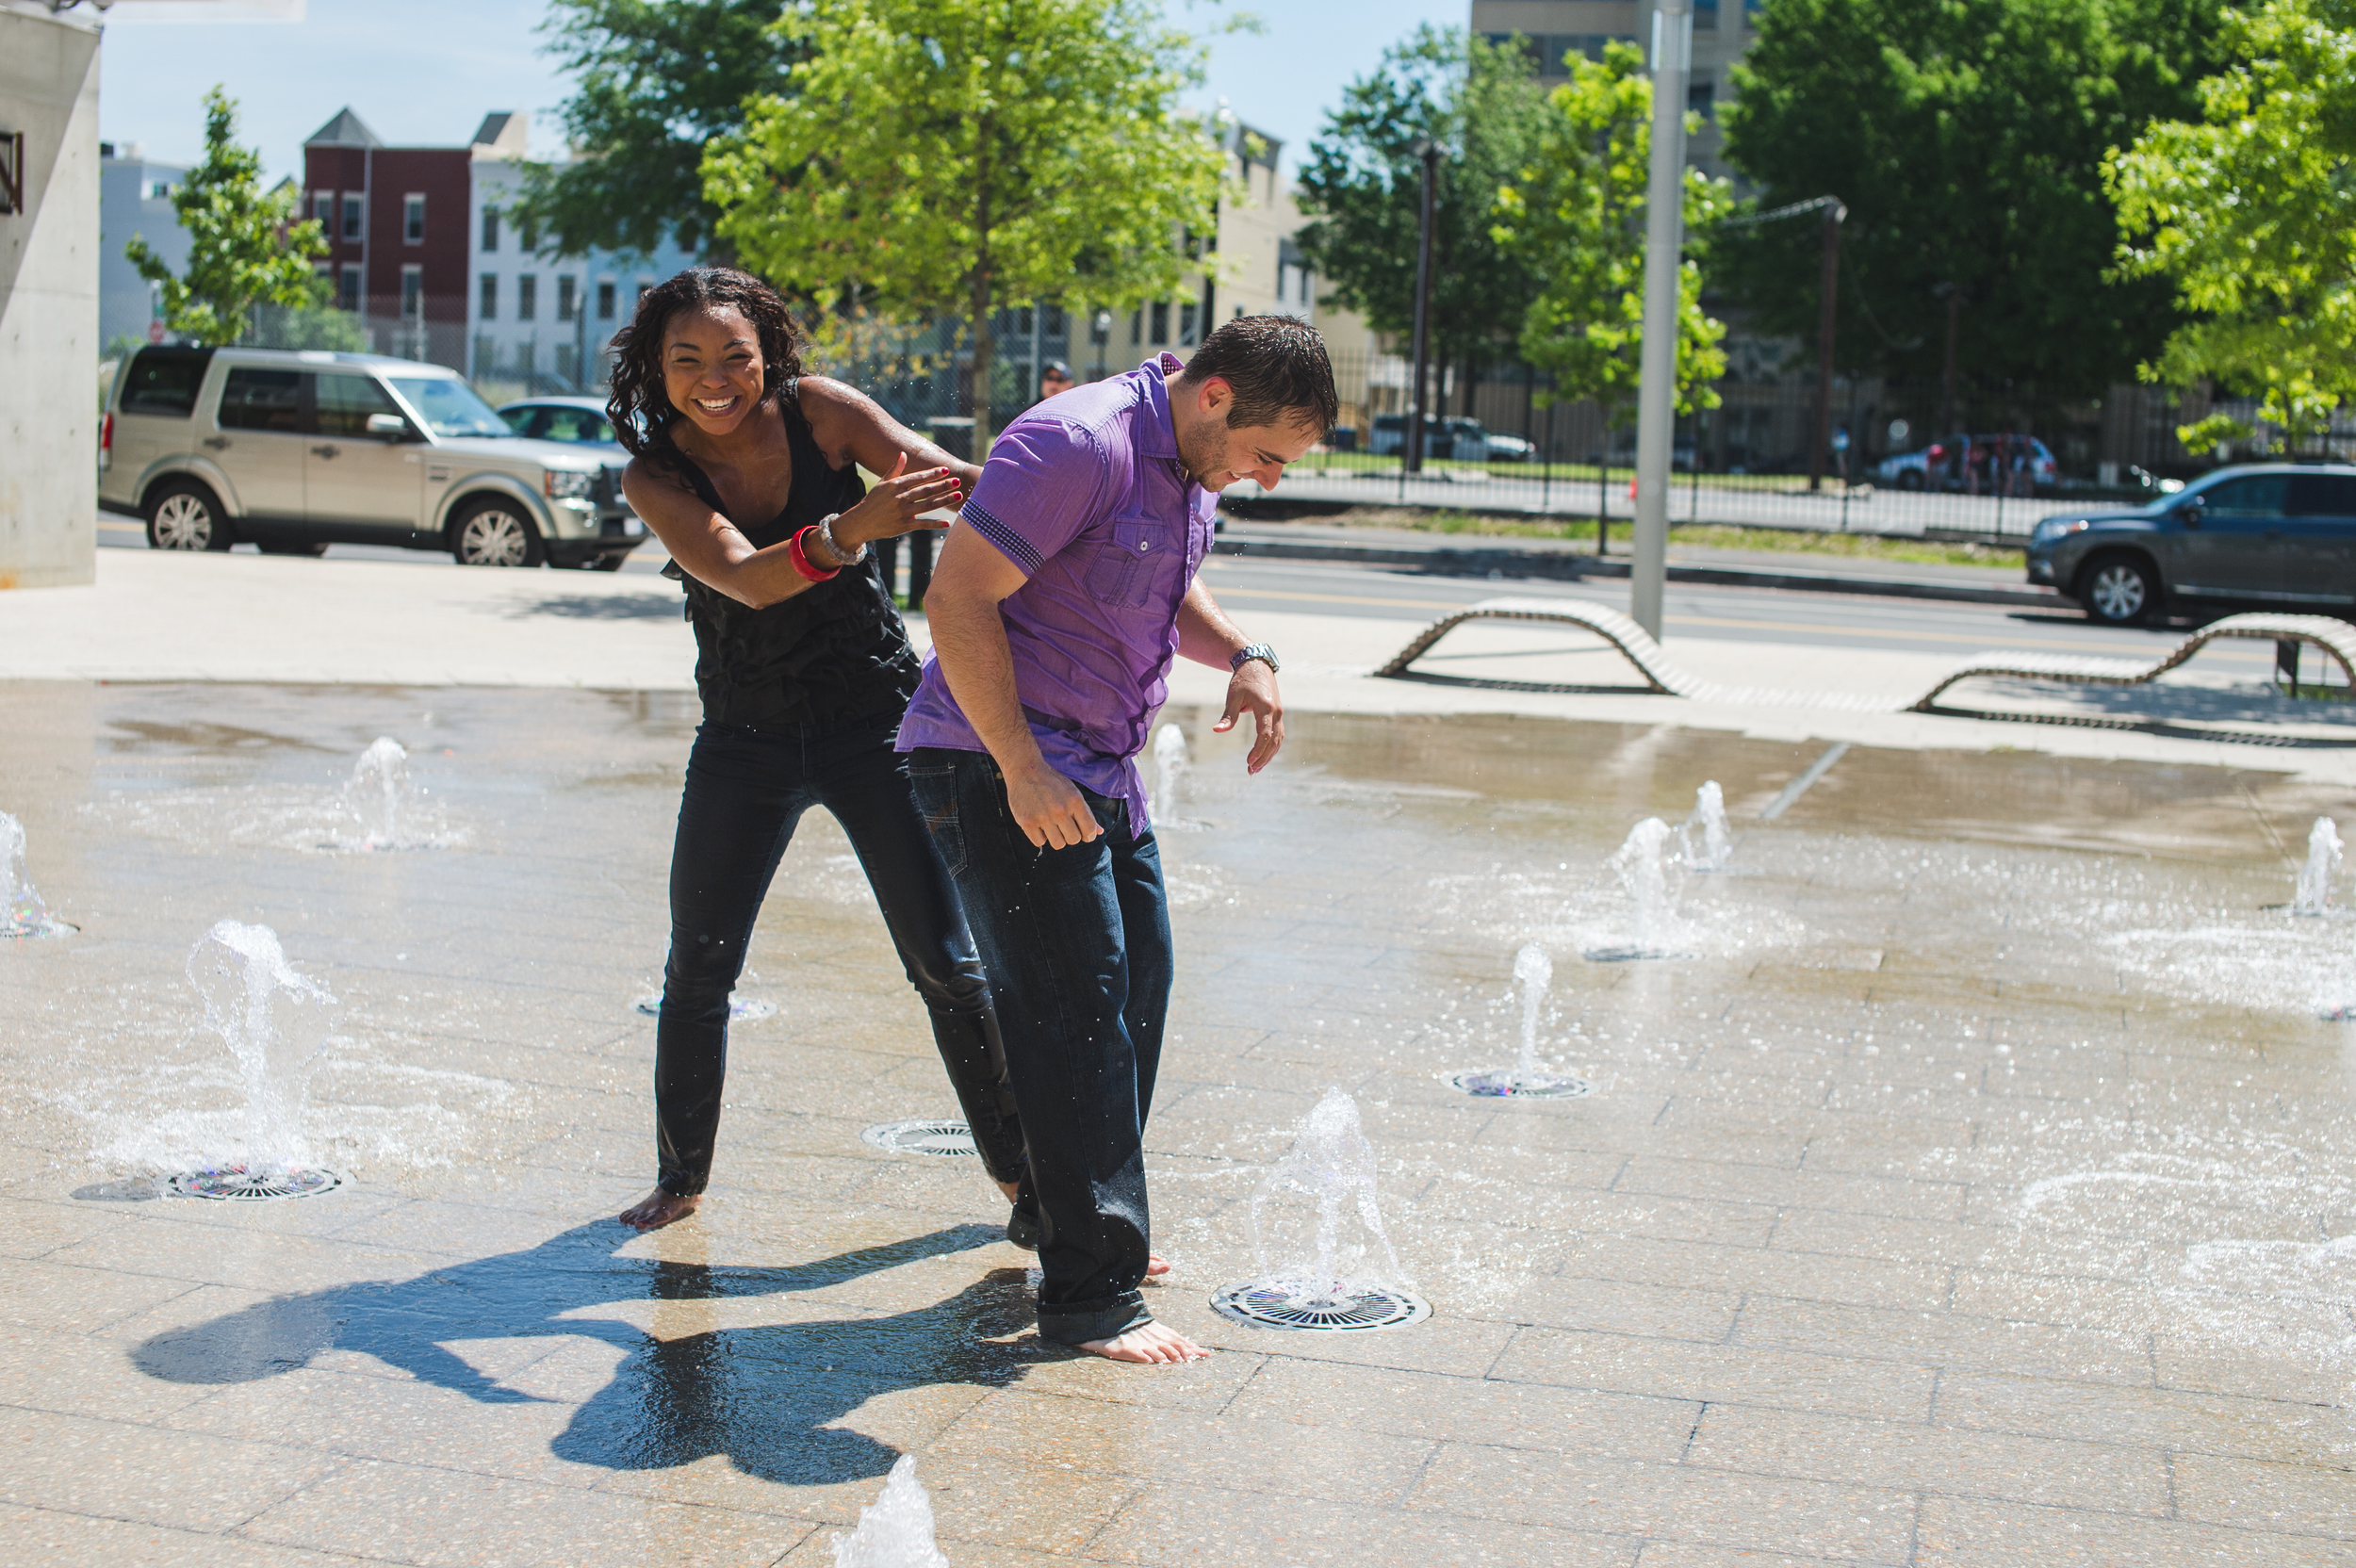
(256, 399)
(2256, 496)
(165, 380)
(2323, 495)
(575, 424)
(449, 406)
(520, 419)
(345, 402)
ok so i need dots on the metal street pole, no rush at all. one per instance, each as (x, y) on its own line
(1826, 287)
(1656, 396)
(1430, 152)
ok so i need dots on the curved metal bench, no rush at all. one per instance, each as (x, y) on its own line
(2337, 638)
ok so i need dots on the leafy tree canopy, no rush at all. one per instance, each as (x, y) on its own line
(952, 157)
(659, 79)
(2250, 214)
(1363, 182)
(244, 247)
(1967, 141)
(1575, 217)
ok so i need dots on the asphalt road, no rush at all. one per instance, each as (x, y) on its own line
(1737, 615)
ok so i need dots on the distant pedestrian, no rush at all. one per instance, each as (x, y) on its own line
(1055, 380)
(747, 471)
(1066, 588)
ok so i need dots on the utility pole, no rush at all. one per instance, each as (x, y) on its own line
(1428, 151)
(1827, 288)
(1953, 293)
(1665, 240)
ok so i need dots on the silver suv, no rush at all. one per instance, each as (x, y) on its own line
(293, 451)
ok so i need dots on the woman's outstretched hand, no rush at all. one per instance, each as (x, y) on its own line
(894, 506)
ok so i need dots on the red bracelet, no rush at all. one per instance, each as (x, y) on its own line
(800, 557)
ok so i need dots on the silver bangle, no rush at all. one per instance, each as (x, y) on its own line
(834, 545)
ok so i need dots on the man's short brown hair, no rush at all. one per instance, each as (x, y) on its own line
(1277, 367)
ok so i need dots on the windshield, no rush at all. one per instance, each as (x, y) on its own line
(449, 406)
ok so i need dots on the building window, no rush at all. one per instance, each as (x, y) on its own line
(489, 309)
(490, 231)
(1701, 98)
(1161, 324)
(1706, 14)
(1136, 328)
(323, 211)
(566, 354)
(528, 297)
(605, 298)
(159, 190)
(527, 359)
(1185, 326)
(412, 292)
(347, 296)
(354, 200)
(528, 236)
(412, 219)
(564, 291)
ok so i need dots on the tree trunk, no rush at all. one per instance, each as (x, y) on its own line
(977, 302)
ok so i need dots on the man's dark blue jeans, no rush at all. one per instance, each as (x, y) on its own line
(745, 790)
(1077, 945)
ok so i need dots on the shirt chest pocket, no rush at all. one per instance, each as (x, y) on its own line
(1134, 566)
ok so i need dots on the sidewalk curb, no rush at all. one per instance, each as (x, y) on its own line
(1564, 566)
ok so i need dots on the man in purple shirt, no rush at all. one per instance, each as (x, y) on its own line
(1066, 587)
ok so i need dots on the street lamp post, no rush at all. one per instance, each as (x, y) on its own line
(1826, 287)
(1428, 151)
(1656, 396)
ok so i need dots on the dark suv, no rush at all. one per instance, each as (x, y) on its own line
(2262, 534)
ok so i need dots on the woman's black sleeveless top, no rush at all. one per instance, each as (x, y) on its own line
(832, 655)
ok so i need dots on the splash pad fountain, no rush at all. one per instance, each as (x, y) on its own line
(1652, 877)
(274, 1020)
(1703, 842)
(1330, 1161)
(1525, 1080)
(379, 793)
(22, 911)
(896, 1529)
(2321, 873)
(1171, 767)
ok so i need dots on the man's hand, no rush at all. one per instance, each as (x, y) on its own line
(1253, 690)
(1050, 809)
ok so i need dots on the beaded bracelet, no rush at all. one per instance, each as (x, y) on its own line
(800, 555)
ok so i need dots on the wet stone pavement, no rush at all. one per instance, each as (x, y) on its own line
(1969, 1194)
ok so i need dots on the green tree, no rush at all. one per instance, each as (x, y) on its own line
(1574, 216)
(2250, 215)
(1967, 141)
(245, 249)
(946, 158)
(659, 81)
(1363, 180)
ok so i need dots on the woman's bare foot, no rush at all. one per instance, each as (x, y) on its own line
(1148, 1342)
(1155, 1266)
(657, 1209)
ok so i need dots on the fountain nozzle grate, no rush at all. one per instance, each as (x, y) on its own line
(1504, 1083)
(237, 1185)
(940, 1139)
(1340, 1307)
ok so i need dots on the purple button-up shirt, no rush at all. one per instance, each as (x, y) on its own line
(1085, 493)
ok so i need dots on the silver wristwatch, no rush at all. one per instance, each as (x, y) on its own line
(1261, 651)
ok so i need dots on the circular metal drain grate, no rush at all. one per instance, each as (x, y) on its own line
(234, 1184)
(1334, 1309)
(1503, 1083)
(949, 1140)
(741, 1009)
(34, 930)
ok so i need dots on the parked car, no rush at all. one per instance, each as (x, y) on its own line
(1464, 440)
(1947, 464)
(2261, 534)
(577, 421)
(295, 450)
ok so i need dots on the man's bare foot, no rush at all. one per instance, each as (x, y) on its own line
(1155, 1266)
(1012, 1189)
(1148, 1342)
(657, 1209)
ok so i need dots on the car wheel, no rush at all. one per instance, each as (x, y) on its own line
(495, 533)
(608, 562)
(1909, 479)
(185, 515)
(288, 547)
(2118, 589)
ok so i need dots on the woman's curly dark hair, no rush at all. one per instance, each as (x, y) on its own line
(640, 407)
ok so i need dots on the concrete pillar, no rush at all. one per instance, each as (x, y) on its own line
(49, 304)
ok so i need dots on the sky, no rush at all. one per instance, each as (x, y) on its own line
(423, 72)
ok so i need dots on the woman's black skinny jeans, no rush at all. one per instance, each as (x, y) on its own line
(747, 789)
